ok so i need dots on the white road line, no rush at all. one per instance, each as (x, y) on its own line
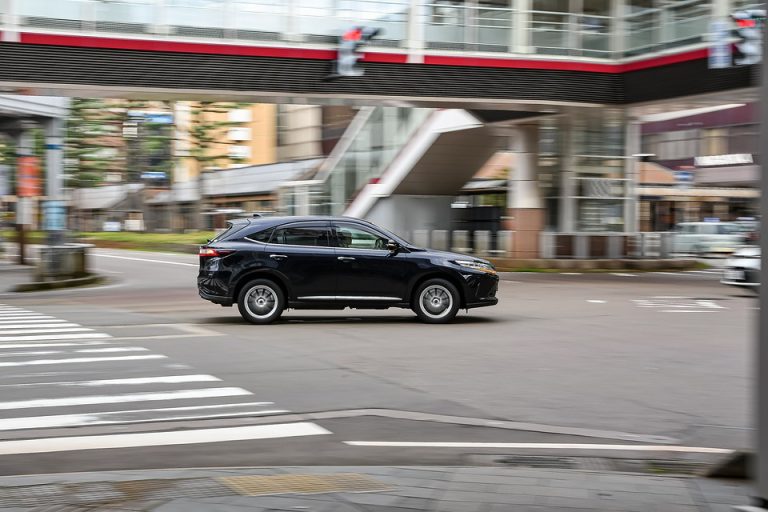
(82, 336)
(23, 316)
(51, 330)
(570, 273)
(559, 446)
(621, 274)
(35, 353)
(47, 320)
(113, 417)
(136, 381)
(84, 351)
(184, 394)
(112, 349)
(689, 311)
(211, 435)
(595, 301)
(6, 346)
(82, 360)
(32, 325)
(145, 259)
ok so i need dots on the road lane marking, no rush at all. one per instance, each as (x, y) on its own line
(85, 335)
(6, 346)
(200, 436)
(686, 311)
(24, 316)
(112, 349)
(104, 418)
(145, 259)
(622, 274)
(135, 381)
(50, 330)
(595, 301)
(4, 322)
(558, 446)
(183, 394)
(34, 353)
(82, 360)
(32, 325)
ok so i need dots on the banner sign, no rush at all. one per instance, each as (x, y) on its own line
(28, 176)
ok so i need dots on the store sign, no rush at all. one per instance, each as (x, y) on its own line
(721, 160)
(28, 176)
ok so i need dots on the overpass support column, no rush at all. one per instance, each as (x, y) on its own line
(9, 21)
(55, 211)
(524, 204)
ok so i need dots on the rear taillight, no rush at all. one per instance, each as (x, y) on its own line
(211, 252)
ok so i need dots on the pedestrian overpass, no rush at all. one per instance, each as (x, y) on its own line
(448, 83)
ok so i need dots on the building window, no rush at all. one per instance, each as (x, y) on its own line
(240, 134)
(240, 152)
(240, 115)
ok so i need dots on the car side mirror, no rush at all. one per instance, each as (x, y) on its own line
(393, 246)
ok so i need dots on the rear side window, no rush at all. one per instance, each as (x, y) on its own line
(260, 236)
(228, 232)
(312, 236)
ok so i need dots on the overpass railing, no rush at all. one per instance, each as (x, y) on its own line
(477, 26)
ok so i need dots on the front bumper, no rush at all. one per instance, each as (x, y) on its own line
(480, 289)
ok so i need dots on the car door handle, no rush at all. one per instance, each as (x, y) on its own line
(278, 256)
(345, 258)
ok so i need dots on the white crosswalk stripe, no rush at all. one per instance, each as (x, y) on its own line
(91, 379)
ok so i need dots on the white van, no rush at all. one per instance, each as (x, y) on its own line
(704, 238)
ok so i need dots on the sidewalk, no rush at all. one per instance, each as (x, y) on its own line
(368, 489)
(13, 274)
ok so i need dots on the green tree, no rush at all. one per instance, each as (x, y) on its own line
(93, 144)
(207, 123)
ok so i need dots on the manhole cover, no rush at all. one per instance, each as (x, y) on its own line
(302, 484)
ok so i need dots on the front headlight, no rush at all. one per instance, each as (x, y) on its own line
(476, 265)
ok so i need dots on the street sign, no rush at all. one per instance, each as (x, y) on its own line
(683, 178)
(54, 215)
(28, 176)
(720, 47)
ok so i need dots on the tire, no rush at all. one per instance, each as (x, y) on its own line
(436, 301)
(261, 301)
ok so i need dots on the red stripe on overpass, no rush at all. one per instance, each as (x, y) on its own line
(322, 54)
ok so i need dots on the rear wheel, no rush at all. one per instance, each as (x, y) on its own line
(436, 301)
(261, 301)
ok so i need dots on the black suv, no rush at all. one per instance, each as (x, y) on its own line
(266, 265)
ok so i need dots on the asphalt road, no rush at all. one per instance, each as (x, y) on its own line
(141, 373)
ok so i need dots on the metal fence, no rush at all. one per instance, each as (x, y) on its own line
(500, 244)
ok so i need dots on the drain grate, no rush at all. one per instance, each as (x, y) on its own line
(302, 484)
(534, 461)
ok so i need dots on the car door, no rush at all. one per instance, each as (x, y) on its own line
(366, 269)
(301, 252)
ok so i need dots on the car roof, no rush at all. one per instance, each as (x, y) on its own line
(267, 222)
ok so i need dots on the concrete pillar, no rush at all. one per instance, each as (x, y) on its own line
(9, 25)
(55, 212)
(524, 203)
(567, 210)
(521, 33)
(632, 173)
(415, 32)
(619, 33)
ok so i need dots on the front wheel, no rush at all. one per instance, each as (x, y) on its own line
(436, 301)
(261, 301)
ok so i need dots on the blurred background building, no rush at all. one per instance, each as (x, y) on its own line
(524, 116)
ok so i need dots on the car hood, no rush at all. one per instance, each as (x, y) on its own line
(447, 255)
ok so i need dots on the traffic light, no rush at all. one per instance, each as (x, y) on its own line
(749, 30)
(348, 55)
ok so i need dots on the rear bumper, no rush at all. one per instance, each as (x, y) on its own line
(216, 299)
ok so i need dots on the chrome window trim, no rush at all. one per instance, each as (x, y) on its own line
(346, 297)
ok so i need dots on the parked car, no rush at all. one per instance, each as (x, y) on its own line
(267, 265)
(705, 238)
(743, 268)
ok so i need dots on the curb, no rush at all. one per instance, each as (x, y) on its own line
(55, 285)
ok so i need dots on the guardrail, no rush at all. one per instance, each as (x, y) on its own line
(582, 245)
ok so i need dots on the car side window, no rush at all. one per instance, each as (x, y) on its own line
(355, 237)
(312, 236)
(260, 236)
